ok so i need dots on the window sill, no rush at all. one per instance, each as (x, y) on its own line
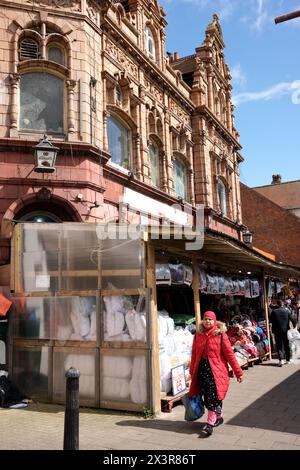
(120, 168)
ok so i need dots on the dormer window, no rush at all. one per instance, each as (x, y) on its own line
(149, 43)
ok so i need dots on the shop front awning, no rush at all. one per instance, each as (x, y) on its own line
(220, 250)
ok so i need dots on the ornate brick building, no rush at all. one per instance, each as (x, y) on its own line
(131, 124)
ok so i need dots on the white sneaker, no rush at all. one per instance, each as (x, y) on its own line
(280, 364)
(283, 361)
(290, 361)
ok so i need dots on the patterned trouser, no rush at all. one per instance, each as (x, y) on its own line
(211, 401)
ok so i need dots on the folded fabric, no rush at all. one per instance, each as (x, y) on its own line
(139, 368)
(117, 366)
(138, 391)
(115, 388)
(123, 337)
(85, 363)
(114, 322)
(87, 385)
(136, 323)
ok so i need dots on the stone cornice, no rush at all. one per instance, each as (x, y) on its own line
(36, 182)
(65, 148)
(213, 214)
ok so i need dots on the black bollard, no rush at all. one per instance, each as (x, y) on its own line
(71, 431)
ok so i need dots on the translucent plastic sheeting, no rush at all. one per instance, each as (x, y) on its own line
(80, 259)
(33, 317)
(125, 318)
(84, 361)
(62, 318)
(77, 256)
(124, 377)
(31, 370)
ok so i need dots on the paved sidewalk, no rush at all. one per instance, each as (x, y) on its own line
(261, 413)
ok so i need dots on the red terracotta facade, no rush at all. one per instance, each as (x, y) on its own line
(108, 70)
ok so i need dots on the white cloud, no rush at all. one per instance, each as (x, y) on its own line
(276, 91)
(261, 15)
(238, 76)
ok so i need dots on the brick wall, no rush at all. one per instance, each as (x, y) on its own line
(275, 229)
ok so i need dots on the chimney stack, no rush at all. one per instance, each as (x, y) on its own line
(176, 56)
(276, 179)
(170, 57)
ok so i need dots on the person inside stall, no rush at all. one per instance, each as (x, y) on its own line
(10, 395)
(209, 370)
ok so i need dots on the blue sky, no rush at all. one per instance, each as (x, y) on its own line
(264, 59)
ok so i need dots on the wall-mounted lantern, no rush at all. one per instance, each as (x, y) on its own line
(247, 237)
(45, 156)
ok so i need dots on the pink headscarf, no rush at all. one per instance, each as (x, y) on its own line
(210, 314)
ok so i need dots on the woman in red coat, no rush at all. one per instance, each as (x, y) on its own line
(209, 370)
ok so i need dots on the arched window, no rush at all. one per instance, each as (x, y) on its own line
(149, 43)
(180, 179)
(154, 164)
(29, 48)
(43, 58)
(55, 54)
(41, 102)
(40, 217)
(222, 197)
(119, 142)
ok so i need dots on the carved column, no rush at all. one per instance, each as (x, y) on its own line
(162, 48)
(191, 183)
(105, 139)
(210, 88)
(104, 105)
(168, 149)
(14, 108)
(228, 109)
(71, 117)
(162, 158)
(137, 142)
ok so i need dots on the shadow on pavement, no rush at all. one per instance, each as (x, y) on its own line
(279, 409)
(182, 427)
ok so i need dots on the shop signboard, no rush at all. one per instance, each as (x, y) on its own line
(178, 380)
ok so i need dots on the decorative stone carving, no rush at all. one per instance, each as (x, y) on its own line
(179, 112)
(73, 5)
(154, 91)
(15, 81)
(44, 194)
(92, 12)
(121, 58)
